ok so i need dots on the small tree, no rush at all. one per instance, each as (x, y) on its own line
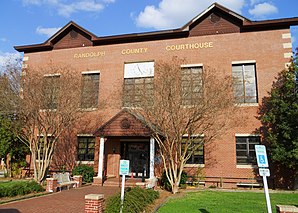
(49, 105)
(279, 117)
(184, 105)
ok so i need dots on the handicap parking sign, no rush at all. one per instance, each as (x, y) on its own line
(261, 156)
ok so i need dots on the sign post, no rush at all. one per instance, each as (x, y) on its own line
(124, 169)
(263, 171)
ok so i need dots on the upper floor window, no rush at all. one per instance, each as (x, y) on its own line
(50, 90)
(245, 149)
(86, 148)
(138, 83)
(191, 80)
(245, 86)
(90, 89)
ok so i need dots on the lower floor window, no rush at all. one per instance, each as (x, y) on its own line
(245, 149)
(196, 149)
(86, 148)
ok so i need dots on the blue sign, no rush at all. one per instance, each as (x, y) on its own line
(124, 167)
(261, 156)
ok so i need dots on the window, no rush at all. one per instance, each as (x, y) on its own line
(191, 81)
(50, 90)
(197, 149)
(86, 148)
(138, 83)
(245, 149)
(135, 89)
(90, 89)
(245, 87)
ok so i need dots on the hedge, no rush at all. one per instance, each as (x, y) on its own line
(14, 188)
(135, 200)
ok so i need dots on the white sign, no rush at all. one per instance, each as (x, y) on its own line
(124, 167)
(137, 70)
(261, 156)
(264, 172)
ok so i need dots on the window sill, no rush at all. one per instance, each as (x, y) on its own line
(247, 104)
(84, 162)
(246, 166)
(48, 110)
(88, 109)
(194, 165)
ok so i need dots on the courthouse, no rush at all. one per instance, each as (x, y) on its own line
(253, 51)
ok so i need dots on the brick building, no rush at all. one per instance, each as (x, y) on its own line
(254, 51)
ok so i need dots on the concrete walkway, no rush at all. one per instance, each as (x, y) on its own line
(67, 201)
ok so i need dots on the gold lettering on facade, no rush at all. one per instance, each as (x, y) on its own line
(89, 54)
(134, 51)
(201, 45)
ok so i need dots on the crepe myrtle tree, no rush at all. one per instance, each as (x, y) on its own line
(183, 104)
(48, 105)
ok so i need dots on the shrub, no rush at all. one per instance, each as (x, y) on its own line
(86, 171)
(14, 188)
(166, 184)
(135, 200)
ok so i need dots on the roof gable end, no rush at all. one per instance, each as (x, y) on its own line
(215, 20)
(124, 123)
(70, 36)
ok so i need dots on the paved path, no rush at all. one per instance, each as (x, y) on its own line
(67, 201)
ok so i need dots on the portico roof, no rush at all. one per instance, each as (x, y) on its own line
(124, 123)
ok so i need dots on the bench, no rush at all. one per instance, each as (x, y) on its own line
(195, 183)
(64, 180)
(244, 184)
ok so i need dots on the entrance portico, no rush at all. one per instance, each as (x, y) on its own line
(125, 136)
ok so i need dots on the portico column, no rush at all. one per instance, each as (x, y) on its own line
(152, 153)
(100, 157)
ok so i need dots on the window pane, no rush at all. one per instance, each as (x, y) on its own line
(245, 150)
(135, 88)
(191, 84)
(51, 87)
(244, 80)
(90, 89)
(197, 151)
(86, 148)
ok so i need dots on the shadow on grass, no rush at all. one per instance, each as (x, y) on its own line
(204, 211)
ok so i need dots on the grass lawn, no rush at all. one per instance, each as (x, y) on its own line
(222, 201)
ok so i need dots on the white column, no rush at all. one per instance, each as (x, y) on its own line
(100, 157)
(152, 153)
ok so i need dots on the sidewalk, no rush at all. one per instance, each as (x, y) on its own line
(67, 201)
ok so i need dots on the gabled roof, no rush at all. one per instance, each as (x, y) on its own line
(241, 22)
(48, 44)
(124, 123)
(210, 9)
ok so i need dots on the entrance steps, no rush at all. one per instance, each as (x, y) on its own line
(130, 182)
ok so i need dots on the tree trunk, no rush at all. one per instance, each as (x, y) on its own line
(175, 188)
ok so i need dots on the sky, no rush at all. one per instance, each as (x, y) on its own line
(25, 22)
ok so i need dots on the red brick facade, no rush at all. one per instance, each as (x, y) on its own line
(231, 40)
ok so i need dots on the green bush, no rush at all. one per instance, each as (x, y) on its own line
(14, 188)
(166, 184)
(135, 200)
(86, 171)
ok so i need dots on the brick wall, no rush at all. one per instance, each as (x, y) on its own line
(267, 48)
